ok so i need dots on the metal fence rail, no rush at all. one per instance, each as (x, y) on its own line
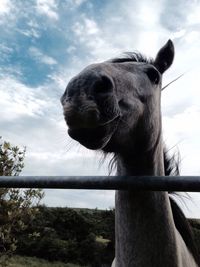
(149, 183)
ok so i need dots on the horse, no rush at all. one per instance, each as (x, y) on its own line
(115, 106)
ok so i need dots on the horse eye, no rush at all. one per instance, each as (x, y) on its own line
(153, 75)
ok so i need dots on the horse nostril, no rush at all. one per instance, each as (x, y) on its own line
(104, 86)
(93, 116)
(65, 99)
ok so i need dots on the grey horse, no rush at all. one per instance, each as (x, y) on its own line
(115, 106)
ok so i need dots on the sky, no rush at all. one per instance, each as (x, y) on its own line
(43, 43)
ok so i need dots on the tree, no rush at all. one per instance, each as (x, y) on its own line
(18, 207)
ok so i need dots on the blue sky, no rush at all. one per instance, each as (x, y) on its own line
(36, 38)
(45, 42)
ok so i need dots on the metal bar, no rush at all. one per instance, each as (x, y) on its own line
(149, 183)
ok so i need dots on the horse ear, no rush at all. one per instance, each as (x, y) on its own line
(164, 57)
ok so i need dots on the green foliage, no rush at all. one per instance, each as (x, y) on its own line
(11, 159)
(70, 235)
(17, 206)
(18, 261)
(77, 236)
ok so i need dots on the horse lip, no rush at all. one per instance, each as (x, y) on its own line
(111, 120)
(98, 126)
(95, 138)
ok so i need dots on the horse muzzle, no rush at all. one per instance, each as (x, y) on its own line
(81, 117)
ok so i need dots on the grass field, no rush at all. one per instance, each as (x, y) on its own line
(18, 261)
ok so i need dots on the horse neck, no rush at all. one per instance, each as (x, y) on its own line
(145, 231)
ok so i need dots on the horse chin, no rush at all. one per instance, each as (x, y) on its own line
(89, 142)
(94, 138)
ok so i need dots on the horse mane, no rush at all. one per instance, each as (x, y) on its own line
(185, 229)
(171, 163)
(132, 56)
(171, 166)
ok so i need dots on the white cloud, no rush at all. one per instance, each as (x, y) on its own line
(91, 26)
(17, 100)
(85, 27)
(74, 4)
(5, 11)
(192, 37)
(5, 7)
(41, 57)
(80, 198)
(193, 17)
(30, 32)
(146, 13)
(183, 129)
(5, 51)
(132, 27)
(71, 49)
(93, 37)
(78, 2)
(48, 8)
